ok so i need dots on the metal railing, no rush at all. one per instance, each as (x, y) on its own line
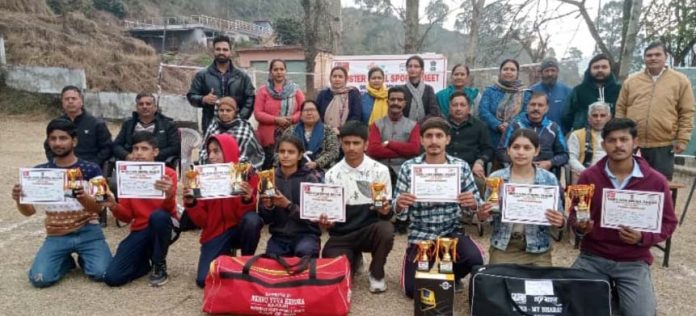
(235, 26)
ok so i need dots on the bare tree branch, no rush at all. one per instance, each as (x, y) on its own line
(591, 26)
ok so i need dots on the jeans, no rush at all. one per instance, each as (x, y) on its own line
(54, 258)
(632, 280)
(244, 236)
(136, 254)
(300, 246)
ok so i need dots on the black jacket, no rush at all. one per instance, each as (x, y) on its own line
(166, 132)
(93, 139)
(470, 141)
(239, 87)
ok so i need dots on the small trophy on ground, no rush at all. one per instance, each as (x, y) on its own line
(448, 248)
(493, 187)
(267, 182)
(583, 193)
(378, 194)
(193, 182)
(73, 182)
(423, 258)
(100, 187)
(240, 173)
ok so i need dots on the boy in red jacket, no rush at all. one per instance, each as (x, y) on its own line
(226, 223)
(145, 248)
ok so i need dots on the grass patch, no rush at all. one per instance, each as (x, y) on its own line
(14, 102)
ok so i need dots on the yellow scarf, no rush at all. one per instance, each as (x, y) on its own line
(380, 107)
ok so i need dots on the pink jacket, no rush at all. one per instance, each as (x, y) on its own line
(266, 109)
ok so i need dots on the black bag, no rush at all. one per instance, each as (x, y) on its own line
(510, 289)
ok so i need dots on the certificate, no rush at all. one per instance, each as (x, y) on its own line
(435, 183)
(137, 179)
(527, 204)
(639, 210)
(42, 185)
(214, 180)
(318, 198)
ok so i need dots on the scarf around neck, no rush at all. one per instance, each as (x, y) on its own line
(380, 106)
(314, 144)
(337, 110)
(286, 96)
(511, 103)
(417, 110)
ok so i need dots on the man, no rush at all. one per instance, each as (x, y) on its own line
(71, 226)
(432, 220)
(553, 150)
(221, 79)
(152, 223)
(623, 254)
(470, 140)
(366, 228)
(585, 145)
(394, 138)
(420, 97)
(147, 118)
(557, 92)
(598, 85)
(661, 102)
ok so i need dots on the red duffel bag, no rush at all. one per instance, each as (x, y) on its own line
(272, 285)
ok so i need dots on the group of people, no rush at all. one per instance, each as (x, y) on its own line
(344, 138)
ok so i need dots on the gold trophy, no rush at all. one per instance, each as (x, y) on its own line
(100, 188)
(378, 194)
(448, 247)
(193, 182)
(240, 173)
(73, 182)
(583, 193)
(424, 249)
(493, 187)
(267, 182)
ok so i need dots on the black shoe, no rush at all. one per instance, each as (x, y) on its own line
(158, 277)
(458, 286)
(102, 217)
(401, 227)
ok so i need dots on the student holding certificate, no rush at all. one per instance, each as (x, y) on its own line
(152, 223)
(290, 235)
(623, 254)
(226, 223)
(516, 242)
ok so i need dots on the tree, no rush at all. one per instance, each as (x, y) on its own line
(573, 53)
(317, 37)
(289, 31)
(674, 24)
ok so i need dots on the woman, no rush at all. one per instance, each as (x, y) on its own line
(339, 103)
(420, 97)
(459, 78)
(276, 107)
(227, 122)
(290, 235)
(523, 243)
(374, 101)
(504, 100)
(318, 139)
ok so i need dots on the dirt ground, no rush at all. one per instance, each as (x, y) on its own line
(20, 237)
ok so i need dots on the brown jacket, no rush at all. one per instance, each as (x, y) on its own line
(663, 110)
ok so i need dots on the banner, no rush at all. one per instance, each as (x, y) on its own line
(394, 66)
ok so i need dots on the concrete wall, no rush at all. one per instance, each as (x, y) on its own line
(119, 106)
(43, 79)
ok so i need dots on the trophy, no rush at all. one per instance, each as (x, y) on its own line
(583, 193)
(193, 182)
(493, 187)
(448, 247)
(424, 249)
(73, 182)
(100, 188)
(240, 173)
(267, 182)
(378, 194)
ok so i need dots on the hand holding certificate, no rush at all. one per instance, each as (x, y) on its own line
(435, 183)
(527, 204)
(214, 180)
(318, 198)
(41, 185)
(138, 179)
(639, 210)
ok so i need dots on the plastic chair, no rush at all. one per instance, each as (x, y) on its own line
(190, 140)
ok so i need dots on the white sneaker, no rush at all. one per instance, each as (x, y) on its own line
(377, 286)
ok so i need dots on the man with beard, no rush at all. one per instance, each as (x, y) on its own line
(394, 138)
(556, 91)
(661, 102)
(553, 152)
(221, 79)
(622, 254)
(598, 85)
(71, 226)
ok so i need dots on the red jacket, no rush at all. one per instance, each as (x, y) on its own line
(605, 242)
(139, 210)
(215, 216)
(395, 149)
(266, 109)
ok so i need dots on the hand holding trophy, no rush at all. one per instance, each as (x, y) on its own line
(240, 173)
(192, 182)
(583, 194)
(100, 188)
(267, 182)
(73, 182)
(493, 188)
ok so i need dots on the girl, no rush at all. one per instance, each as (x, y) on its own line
(374, 101)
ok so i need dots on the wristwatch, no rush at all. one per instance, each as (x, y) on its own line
(385, 143)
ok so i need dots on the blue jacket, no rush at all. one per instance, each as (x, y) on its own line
(367, 102)
(489, 104)
(537, 236)
(552, 143)
(558, 96)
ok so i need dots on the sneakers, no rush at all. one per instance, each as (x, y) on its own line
(377, 286)
(158, 277)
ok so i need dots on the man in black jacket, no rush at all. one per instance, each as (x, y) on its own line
(147, 118)
(221, 79)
